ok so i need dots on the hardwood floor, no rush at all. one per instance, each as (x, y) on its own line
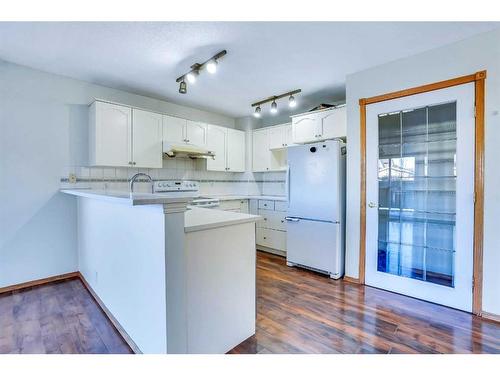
(60, 317)
(302, 312)
(298, 311)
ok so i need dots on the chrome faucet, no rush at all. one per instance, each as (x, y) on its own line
(134, 178)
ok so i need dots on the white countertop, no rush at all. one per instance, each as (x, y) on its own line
(197, 218)
(157, 198)
(133, 199)
(236, 197)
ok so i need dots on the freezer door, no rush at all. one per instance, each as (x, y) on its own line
(315, 244)
(314, 181)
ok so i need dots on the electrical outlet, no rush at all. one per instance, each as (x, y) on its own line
(96, 277)
(72, 178)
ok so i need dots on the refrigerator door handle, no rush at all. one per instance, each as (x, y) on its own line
(293, 219)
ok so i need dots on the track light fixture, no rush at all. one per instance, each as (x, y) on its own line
(182, 87)
(210, 65)
(274, 106)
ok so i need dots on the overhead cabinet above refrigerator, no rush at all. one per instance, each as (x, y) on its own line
(319, 125)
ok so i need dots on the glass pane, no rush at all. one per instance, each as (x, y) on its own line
(417, 184)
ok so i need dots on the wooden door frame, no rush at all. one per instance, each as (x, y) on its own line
(479, 82)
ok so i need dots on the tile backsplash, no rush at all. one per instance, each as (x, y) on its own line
(211, 183)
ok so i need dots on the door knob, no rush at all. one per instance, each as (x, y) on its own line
(372, 205)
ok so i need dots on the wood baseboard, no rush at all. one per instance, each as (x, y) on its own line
(46, 280)
(490, 316)
(351, 280)
(110, 316)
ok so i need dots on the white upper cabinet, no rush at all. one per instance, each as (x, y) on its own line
(318, 126)
(180, 131)
(174, 129)
(288, 135)
(229, 148)
(110, 135)
(216, 143)
(269, 151)
(334, 123)
(235, 158)
(196, 133)
(305, 129)
(280, 136)
(147, 139)
(120, 136)
(261, 154)
(276, 137)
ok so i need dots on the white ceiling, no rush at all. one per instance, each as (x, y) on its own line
(263, 59)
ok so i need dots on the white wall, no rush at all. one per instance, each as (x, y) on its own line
(43, 130)
(461, 58)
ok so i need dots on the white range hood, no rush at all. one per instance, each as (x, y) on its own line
(187, 151)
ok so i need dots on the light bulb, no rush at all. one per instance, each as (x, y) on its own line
(191, 77)
(212, 66)
(183, 87)
(257, 111)
(291, 102)
(274, 107)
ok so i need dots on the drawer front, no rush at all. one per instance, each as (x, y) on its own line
(266, 205)
(273, 239)
(272, 220)
(280, 206)
(230, 205)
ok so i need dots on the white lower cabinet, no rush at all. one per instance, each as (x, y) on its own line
(236, 205)
(271, 231)
(273, 239)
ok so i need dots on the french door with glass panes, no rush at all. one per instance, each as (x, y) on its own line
(420, 195)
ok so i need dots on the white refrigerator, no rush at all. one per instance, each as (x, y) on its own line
(316, 207)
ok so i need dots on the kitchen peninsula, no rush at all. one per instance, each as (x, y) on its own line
(177, 279)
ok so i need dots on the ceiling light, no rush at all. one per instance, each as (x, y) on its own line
(182, 87)
(212, 66)
(274, 107)
(272, 99)
(191, 77)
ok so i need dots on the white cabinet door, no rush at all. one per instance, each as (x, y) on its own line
(235, 158)
(196, 133)
(110, 135)
(288, 135)
(260, 151)
(173, 130)
(217, 142)
(146, 139)
(276, 137)
(305, 128)
(334, 124)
